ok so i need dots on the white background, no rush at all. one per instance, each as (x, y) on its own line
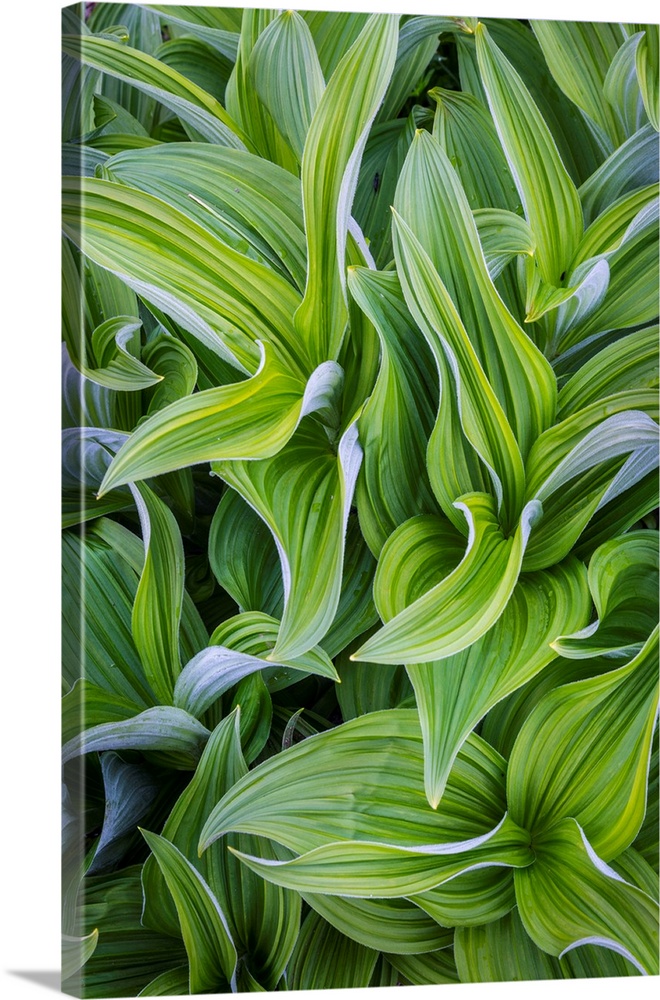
(29, 488)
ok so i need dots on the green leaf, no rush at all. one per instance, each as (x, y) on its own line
(96, 631)
(244, 200)
(443, 223)
(238, 648)
(501, 952)
(584, 752)
(623, 578)
(243, 556)
(223, 298)
(324, 958)
(481, 416)
(631, 297)
(246, 420)
(263, 920)
(76, 951)
(633, 165)
(175, 364)
(398, 417)
(584, 463)
(200, 111)
(119, 368)
(436, 625)
(217, 26)
(128, 956)
(311, 544)
(466, 132)
(173, 983)
(476, 897)
(329, 173)
(356, 611)
(647, 59)
(579, 56)
(418, 41)
(362, 780)
(159, 597)
(395, 925)
(503, 236)
(452, 695)
(621, 86)
(550, 199)
(211, 951)
(287, 76)
(163, 728)
(431, 969)
(360, 868)
(628, 363)
(569, 898)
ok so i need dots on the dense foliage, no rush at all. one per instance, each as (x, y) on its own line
(360, 453)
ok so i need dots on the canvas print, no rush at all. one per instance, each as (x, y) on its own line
(360, 492)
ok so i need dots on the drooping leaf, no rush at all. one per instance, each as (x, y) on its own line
(251, 419)
(243, 199)
(396, 925)
(238, 648)
(164, 729)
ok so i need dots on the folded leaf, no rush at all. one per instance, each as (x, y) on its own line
(452, 695)
(483, 420)
(633, 165)
(251, 419)
(165, 729)
(442, 222)
(584, 752)
(330, 163)
(362, 781)
(440, 623)
(229, 658)
(431, 969)
(569, 898)
(398, 417)
(318, 484)
(361, 868)
(203, 113)
(159, 596)
(623, 578)
(549, 197)
(211, 951)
